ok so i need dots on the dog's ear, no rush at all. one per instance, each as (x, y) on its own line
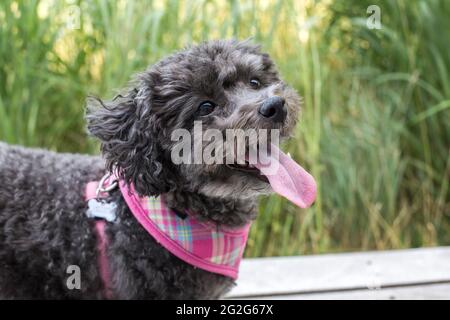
(128, 135)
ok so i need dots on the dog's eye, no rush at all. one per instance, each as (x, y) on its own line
(206, 107)
(254, 83)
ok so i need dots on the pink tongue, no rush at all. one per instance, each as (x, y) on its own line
(289, 180)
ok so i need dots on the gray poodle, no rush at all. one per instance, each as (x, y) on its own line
(43, 223)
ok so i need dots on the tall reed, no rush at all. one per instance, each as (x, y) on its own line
(374, 127)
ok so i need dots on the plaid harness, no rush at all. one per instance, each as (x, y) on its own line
(202, 245)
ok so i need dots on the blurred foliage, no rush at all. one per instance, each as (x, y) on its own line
(375, 126)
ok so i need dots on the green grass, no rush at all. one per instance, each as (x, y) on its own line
(374, 129)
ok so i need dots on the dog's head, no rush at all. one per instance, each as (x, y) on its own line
(220, 84)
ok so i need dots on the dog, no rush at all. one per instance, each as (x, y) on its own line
(44, 229)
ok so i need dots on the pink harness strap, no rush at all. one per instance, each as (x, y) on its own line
(205, 246)
(102, 242)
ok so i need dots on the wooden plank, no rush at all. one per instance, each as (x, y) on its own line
(422, 292)
(331, 272)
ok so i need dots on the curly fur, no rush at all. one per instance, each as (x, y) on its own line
(43, 226)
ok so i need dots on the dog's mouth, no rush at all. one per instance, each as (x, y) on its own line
(285, 176)
(248, 169)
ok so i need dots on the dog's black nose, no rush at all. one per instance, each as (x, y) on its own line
(274, 109)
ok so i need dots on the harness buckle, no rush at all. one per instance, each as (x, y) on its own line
(106, 185)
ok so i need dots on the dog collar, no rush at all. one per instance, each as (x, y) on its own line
(202, 245)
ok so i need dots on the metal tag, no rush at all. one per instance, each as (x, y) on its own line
(101, 209)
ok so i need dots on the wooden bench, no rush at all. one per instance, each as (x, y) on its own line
(398, 274)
